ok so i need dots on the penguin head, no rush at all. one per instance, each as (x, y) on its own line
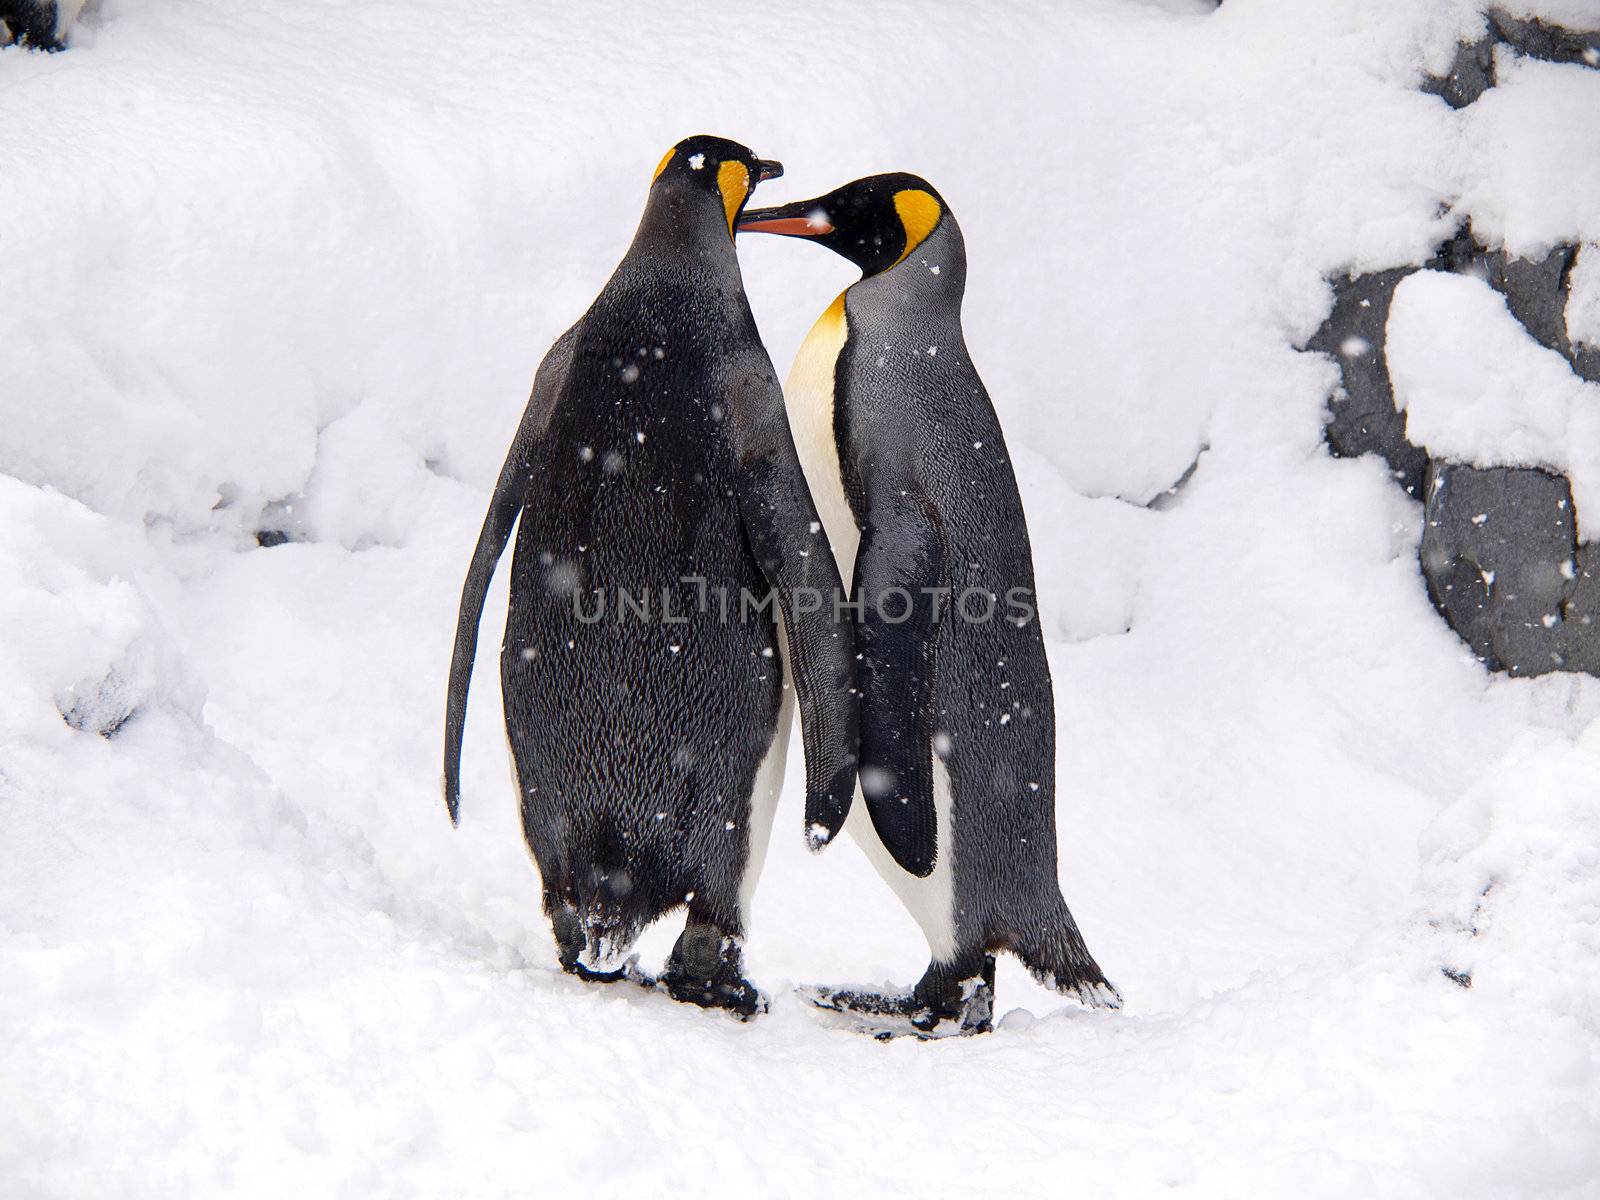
(713, 165)
(875, 222)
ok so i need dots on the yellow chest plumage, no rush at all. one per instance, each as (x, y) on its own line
(809, 398)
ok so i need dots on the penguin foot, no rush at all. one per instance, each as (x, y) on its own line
(946, 1003)
(739, 996)
(629, 971)
(598, 960)
(884, 1016)
(706, 968)
(959, 994)
(881, 1016)
(887, 1003)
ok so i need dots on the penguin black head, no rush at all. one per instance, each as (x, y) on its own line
(725, 169)
(874, 222)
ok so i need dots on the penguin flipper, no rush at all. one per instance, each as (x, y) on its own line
(900, 573)
(505, 505)
(786, 536)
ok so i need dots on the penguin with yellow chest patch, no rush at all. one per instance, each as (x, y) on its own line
(906, 461)
(660, 508)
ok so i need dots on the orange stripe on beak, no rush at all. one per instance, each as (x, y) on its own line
(789, 226)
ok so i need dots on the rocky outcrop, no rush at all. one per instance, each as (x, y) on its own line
(1472, 72)
(1503, 565)
(1500, 549)
(1361, 416)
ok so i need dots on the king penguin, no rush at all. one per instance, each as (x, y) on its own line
(670, 579)
(42, 24)
(909, 469)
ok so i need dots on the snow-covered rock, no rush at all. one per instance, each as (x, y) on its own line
(1476, 388)
(85, 644)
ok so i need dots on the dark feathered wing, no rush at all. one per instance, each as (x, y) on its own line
(901, 572)
(509, 492)
(786, 536)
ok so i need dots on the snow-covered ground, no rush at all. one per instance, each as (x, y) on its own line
(290, 267)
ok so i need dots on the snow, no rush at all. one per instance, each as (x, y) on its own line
(1536, 125)
(292, 267)
(1476, 388)
(1570, 14)
(1583, 300)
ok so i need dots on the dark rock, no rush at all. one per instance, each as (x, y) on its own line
(1578, 634)
(1585, 361)
(1535, 292)
(271, 537)
(1500, 554)
(1552, 43)
(1471, 74)
(1461, 252)
(1362, 419)
(1499, 545)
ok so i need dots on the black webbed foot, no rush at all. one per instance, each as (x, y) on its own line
(706, 968)
(952, 1000)
(572, 941)
(959, 993)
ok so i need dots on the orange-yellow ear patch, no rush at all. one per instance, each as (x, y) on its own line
(919, 213)
(733, 181)
(662, 165)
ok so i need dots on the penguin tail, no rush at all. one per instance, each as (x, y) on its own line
(1055, 954)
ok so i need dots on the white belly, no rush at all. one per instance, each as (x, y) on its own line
(808, 396)
(768, 784)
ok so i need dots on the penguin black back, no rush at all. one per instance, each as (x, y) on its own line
(41, 24)
(655, 484)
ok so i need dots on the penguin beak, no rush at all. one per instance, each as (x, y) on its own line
(805, 218)
(767, 168)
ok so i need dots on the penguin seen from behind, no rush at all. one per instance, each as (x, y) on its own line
(646, 671)
(41, 24)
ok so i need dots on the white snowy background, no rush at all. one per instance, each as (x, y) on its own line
(292, 266)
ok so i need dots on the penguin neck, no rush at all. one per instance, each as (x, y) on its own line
(810, 397)
(933, 274)
(686, 226)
